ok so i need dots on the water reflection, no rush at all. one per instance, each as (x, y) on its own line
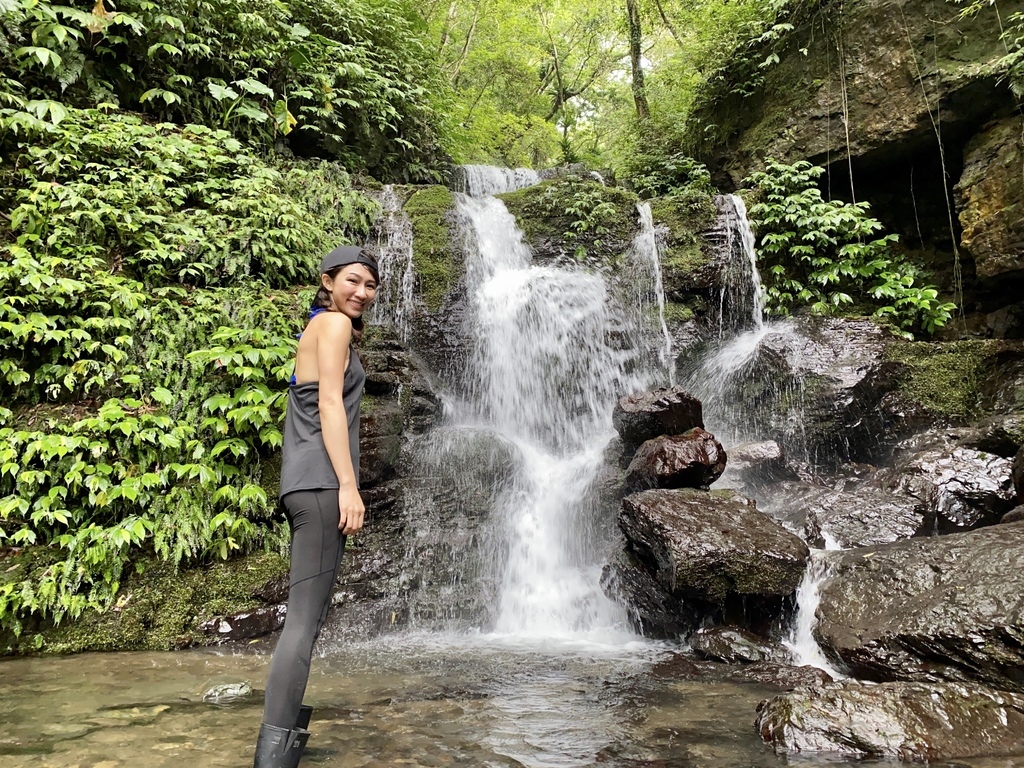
(480, 701)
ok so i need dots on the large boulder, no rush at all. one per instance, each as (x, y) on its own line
(664, 411)
(915, 722)
(694, 459)
(941, 608)
(990, 198)
(711, 546)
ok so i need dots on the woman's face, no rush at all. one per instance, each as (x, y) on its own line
(352, 290)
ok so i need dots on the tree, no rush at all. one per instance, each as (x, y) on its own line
(636, 38)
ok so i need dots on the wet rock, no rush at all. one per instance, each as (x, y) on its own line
(960, 487)
(1002, 435)
(939, 608)
(710, 546)
(226, 692)
(1018, 475)
(681, 666)
(653, 610)
(694, 459)
(245, 625)
(756, 464)
(663, 411)
(915, 722)
(1015, 515)
(991, 198)
(731, 645)
(857, 517)
(782, 675)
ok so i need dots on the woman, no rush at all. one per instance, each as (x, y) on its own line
(319, 487)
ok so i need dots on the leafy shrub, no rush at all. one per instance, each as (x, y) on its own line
(827, 254)
(348, 78)
(147, 328)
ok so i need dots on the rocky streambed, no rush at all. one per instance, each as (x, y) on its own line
(919, 605)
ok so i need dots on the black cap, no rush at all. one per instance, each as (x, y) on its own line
(349, 254)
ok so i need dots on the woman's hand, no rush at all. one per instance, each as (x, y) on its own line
(351, 510)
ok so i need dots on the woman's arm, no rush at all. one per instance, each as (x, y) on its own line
(332, 353)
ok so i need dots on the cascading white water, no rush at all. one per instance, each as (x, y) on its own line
(550, 349)
(801, 643)
(483, 180)
(645, 250)
(741, 300)
(545, 377)
(394, 249)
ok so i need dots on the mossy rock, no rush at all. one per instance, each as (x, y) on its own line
(436, 260)
(575, 217)
(954, 379)
(686, 258)
(159, 608)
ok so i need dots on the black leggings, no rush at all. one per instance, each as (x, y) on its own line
(317, 546)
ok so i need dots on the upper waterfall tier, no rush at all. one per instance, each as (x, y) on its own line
(483, 180)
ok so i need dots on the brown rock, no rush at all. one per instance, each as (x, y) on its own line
(694, 459)
(663, 411)
(710, 546)
(991, 198)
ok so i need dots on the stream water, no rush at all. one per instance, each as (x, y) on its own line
(401, 701)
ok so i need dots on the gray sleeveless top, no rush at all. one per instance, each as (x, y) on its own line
(305, 464)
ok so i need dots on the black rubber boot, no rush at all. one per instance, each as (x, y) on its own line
(305, 713)
(279, 747)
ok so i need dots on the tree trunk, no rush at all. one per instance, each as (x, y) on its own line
(643, 110)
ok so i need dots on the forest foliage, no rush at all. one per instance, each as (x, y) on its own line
(171, 173)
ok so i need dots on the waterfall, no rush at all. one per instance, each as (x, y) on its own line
(741, 299)
(800, 642)
(645, 249)
(725, 373)
(394, 256)
(483, 180)
(552, 348)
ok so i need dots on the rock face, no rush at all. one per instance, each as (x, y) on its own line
(694, 459)
(991, 198)
(756, 464)
(709, 547)
(653, 611)
(942, 608)
(957, 487)
(664, 411)
(915, 722)
(885, 68)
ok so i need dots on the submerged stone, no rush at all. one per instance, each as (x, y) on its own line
(914, 722)
(731, 645)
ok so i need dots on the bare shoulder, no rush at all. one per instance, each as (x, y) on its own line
(333, 326)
